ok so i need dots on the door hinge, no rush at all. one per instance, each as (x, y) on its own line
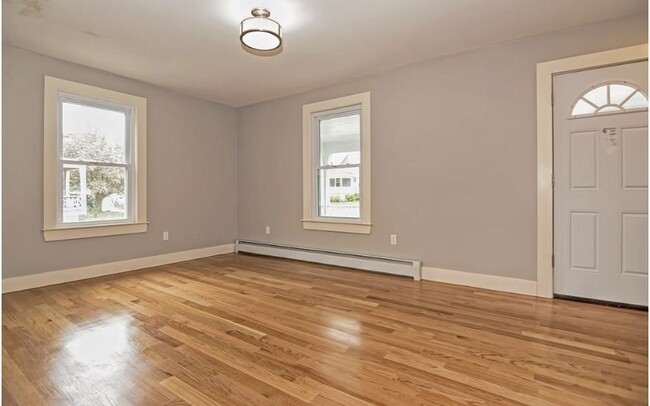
(553, 180)
(553, 260)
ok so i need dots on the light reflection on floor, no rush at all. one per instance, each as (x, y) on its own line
(344, 330)
(97, 363)
(100, 346)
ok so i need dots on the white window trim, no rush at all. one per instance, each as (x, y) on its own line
(311, 220)
(53, 230)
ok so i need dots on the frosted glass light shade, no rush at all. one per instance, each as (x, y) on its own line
(260, 32)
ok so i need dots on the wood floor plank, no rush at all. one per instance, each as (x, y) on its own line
(188, 393)
(251, 330)
(16, 384)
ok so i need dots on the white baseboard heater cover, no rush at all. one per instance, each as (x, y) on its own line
(403, 267)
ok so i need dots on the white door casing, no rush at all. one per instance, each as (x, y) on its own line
(600, 192)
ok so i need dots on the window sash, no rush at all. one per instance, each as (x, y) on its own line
(338, 183)
(316, 158)
(98, 104)
(129, 185)
(328, 115)
(335, 184)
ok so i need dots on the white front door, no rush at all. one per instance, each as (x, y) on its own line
(601, 184)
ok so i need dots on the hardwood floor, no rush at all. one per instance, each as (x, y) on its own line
(247, 330)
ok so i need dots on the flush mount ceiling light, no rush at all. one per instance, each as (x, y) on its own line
(260, 32)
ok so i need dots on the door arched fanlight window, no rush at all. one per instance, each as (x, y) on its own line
(611, 97)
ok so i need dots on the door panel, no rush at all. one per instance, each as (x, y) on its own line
(634, 240)
(584, 160)
(634, 159)
(584, 241)
(600, 191)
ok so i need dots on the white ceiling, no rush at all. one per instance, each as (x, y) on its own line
(192, 46)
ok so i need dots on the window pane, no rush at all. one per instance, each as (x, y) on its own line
(93, 134)
(72, 179)
(597, 96)
(342, 200)
(618, 93)
(95, 193)
(340, 140)
(637, 101)
(582, 107)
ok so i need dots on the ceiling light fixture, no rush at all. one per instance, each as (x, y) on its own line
(260, 32)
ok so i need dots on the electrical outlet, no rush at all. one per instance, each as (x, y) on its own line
(268, 230)
(393, 239)
(165, 235)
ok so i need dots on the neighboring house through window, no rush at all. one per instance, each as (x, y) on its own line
(336, 165)
(95, 161)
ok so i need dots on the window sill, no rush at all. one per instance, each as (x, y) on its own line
(103, 230)
(337, 226)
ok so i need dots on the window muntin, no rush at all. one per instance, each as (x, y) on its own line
(611, 97)
(95, 141)
(338, 140)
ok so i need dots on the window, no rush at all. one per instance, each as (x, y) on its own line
(340, 182)
(95, 161)
(613, 97)
(336, 165)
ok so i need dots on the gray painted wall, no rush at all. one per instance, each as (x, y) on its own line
(453, 155)
(453, 161)
(192, 171)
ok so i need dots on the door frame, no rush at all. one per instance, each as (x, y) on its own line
(545, 73)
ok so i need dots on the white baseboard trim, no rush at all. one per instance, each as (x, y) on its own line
(86, 272)
(475, 280)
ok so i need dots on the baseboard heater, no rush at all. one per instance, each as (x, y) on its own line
(402, 267)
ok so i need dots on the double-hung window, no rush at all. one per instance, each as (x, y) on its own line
(95, 168)
(336, 165)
